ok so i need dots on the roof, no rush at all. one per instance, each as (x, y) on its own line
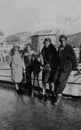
(43, 34)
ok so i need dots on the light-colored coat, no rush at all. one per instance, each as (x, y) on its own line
(17, 66)
(28, 57)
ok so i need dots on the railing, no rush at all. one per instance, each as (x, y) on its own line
(40, 79)
(5, 77)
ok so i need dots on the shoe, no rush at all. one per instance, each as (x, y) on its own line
(59, 97)
(40, 97)
(32, 94)
(44, 98)
(53, 99)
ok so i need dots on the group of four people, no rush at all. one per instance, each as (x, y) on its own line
(56, 65)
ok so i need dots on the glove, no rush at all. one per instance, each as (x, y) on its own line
(47, 67)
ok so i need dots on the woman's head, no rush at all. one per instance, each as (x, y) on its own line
(47, 42)
(28, 47)
(34, 57)
(16, 46)
(63, 40)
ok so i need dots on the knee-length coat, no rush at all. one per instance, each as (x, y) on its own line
(50, 57)
(17, 65)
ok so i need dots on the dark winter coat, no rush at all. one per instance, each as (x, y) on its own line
(66, 64)
(50, 56)
(67, 58)
(36, 66)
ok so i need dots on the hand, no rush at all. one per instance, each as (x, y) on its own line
(47, 67)
(41, 68)
(24, 71)
(77, 73)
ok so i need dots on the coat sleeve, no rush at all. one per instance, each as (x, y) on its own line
(23, 64)
(55, 55)
(72, 57)
(43, 58)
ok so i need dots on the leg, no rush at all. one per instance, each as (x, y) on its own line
(60, 85)
(33, 85)
(52, 86)
(59, 97)
(45, 85)
(45, 78)
(16, 86)
(52, 89)
(34, 76)
(28, 75)
(37, 75)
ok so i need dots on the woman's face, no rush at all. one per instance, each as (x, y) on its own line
(47, 43)
(16, 49)
(28, 48)
(63, 43)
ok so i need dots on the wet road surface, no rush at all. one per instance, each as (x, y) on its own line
(20, 112)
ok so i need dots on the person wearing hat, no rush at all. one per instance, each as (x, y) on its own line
(67, 62)
(17, 65)
(50, 63)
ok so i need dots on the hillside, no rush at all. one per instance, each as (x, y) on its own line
(75, 39)
(24, 37)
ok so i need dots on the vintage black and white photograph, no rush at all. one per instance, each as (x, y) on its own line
(40, 64)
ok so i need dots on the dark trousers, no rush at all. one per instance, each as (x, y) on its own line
(28, 75)
(60, 81)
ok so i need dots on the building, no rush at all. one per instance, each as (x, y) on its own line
(37, 43)
(37, 40)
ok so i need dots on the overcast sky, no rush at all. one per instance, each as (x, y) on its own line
(25, 15)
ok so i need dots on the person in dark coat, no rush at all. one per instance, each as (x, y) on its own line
(67, 63)
(36, 68)
(50, 62)
(28, 60)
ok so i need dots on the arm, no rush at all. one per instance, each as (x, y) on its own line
(23, 64)
(55, 58)
(8, 58)
(72, 57)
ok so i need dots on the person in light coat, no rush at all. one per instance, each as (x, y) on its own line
(17, 65)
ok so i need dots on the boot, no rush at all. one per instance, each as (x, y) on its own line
(53, 98)
(59, 97)
(44, 91)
